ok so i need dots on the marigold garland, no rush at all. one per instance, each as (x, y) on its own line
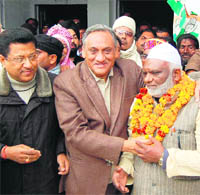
(148, 119)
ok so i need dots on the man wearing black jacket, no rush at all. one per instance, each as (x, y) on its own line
(31, 143)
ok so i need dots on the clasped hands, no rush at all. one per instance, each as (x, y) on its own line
(149, 150)
(24, 154)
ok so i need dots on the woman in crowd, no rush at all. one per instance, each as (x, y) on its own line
(63, 35)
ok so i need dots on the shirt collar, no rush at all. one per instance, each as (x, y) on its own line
(111, 73)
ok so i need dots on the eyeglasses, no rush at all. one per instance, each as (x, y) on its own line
(21, 59)
(121, 32)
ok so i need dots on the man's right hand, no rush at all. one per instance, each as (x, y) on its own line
(119, 179)
(22, 154)
(130, 144)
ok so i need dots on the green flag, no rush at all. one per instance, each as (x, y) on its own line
(182, 21)
(176, 6)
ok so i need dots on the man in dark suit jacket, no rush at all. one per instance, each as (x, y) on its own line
(93, 102)
(32, 147)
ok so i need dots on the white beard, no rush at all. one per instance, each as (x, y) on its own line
(161, 89)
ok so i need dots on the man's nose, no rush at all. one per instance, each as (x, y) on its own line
(27, 63)
(185, 50)
(148, 78)
(100, 57)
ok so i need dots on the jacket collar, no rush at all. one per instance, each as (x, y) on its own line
(94, 93)
(117, 88)
(43, 83)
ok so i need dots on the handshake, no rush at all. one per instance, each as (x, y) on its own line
(148, 149)
(133, 144)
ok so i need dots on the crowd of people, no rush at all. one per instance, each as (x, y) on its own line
(102, 110)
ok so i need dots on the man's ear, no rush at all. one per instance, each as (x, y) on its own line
(53, 58)
(176, 74)
(83, 52)
(2, 60)
(117, 52)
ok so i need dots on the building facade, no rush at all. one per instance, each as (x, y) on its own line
(15, 12)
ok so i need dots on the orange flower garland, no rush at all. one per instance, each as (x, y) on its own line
(148, 119)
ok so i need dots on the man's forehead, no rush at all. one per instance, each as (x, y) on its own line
(147, 35)
(187, 42)
(18, 44)
(98, 36)
(154, 64)
(72, 32)
(124, 28)
(162, 34)
(31, 22)
(21, 48)
(41, 51)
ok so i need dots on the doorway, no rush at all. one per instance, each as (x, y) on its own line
(51, 14)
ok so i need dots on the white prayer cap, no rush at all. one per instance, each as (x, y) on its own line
(125, 21)
(165, 52)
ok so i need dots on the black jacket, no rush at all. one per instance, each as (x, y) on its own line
(78, 59)
(34, 124)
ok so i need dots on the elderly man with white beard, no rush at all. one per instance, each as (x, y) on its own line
(166, 113)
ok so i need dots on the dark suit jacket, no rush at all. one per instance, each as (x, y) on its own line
(94, 139)
(78, 59)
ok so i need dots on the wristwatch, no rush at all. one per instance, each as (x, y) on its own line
(160, 162)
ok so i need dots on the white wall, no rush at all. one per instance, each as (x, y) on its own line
(15, 12)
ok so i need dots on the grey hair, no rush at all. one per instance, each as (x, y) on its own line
(173, 66)
(99, 27)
